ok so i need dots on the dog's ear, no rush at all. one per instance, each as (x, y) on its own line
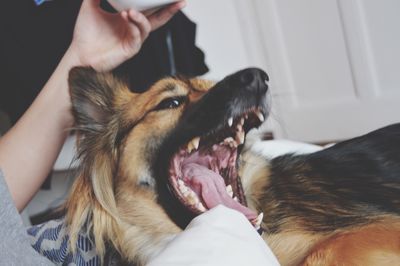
(93, 97)
(98, 101)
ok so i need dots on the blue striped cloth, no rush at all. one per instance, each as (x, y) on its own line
(51, 240)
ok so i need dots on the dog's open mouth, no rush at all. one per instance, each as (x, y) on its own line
(203, 172)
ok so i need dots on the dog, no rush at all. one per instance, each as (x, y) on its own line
(151, 162)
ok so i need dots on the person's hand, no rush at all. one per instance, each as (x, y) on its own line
(104, 40)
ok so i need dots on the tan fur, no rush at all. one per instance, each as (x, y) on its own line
(375, 244)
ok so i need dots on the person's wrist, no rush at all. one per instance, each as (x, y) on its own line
(74, 57)
(97, 62)
(70, 60)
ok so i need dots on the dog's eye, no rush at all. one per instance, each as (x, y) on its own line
(170, 103)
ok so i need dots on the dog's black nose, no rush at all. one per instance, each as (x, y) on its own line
(252, 79)
(252, 75)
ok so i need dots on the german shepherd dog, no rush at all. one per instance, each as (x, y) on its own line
(150, 162)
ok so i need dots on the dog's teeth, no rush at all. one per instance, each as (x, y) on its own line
(192, 198)
(228, 140)
(230, 121)
(186, 193)
(260, 115)
(240, 137)
(229, 190)
(257, 222)
(201, 207)
(196, 142)
(189, 147)
(193, 144)
(242, 120)
(182, 187)
(231, 142)
(236, 199)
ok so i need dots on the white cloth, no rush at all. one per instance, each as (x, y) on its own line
(221, 236)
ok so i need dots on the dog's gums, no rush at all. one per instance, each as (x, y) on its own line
(203, 172)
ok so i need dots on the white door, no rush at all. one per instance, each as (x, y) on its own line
(334, 64)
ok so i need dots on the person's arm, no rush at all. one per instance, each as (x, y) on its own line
(101, 40)
(14, 241)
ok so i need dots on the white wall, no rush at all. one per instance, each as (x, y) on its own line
(221, 35)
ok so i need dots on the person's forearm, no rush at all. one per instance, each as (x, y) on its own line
(38, 136)
(101, 40)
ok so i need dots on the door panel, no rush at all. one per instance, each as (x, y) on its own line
(334, 65)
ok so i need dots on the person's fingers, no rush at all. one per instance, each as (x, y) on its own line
(162, 16)
(136, 36)
(124, 15)
(139, 20)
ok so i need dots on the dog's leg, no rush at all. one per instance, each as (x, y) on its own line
(376, 244)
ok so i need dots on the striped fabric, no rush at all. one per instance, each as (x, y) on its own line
(39, 2)
(50, 240)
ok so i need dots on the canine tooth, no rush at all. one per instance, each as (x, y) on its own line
(196, 142)
(230, 121)
(201, 207)
(260, 115)
(190, 147)
(242, 120)
(236, 199)
(240, 137)
(193, 144)
(258, 220)
(229, 190)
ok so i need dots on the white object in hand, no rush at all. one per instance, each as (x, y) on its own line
(139, 5)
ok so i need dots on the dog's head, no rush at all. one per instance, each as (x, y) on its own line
(152, 161)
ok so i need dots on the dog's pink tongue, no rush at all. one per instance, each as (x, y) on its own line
(211, 188)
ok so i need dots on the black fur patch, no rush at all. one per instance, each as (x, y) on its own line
(352, 183)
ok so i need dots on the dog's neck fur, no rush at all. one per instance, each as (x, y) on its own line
(254, 170)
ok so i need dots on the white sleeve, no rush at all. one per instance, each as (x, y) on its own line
(221, 236)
